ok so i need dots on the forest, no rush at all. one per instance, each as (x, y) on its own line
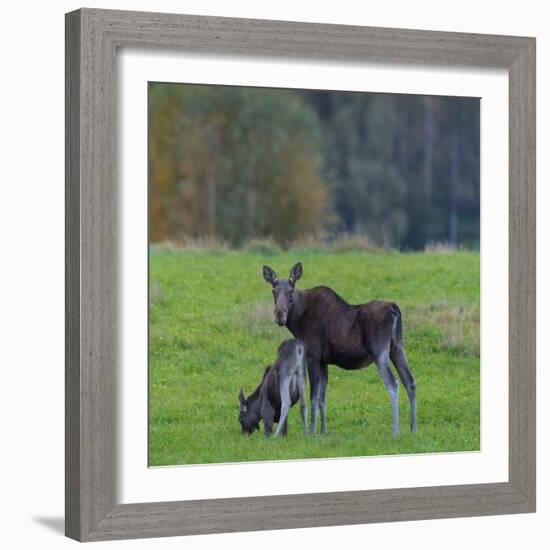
(239, 164)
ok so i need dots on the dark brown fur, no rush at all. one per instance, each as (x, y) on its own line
(348, 336)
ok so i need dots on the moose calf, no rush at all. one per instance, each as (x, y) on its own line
(282, 385)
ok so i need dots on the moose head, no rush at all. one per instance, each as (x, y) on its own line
(283, 291)
(250, 422)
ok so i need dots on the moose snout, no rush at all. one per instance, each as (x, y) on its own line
(280, 316)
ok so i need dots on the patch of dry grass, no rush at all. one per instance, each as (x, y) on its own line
(258, 314)
(324, 242)
(156, 294)
(267, 247)
(339, 243)
(436, 247)
(457, 323)
(201, 243)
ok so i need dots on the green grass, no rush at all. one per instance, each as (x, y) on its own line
(211, 331)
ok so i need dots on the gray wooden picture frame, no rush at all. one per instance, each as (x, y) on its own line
(92, 39)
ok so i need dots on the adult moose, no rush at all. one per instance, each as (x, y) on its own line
(348, 336)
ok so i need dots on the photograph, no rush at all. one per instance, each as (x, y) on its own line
(297, 237)
(275, 282)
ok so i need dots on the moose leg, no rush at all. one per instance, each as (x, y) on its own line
(323, 397)
(285, 405)
(314, 391)
(392, 385)
(284, 429)
(267, 416)
(303, 401)
(399, 359)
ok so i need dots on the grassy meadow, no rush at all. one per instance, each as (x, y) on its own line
(212, 331)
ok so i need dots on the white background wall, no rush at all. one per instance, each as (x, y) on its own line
(31, 269)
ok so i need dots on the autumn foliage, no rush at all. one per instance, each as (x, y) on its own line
(237, 164)
(233, 163)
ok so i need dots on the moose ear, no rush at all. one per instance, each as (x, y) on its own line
(241, 396)
(269, 275)
(295, 273)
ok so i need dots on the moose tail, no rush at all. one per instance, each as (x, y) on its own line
(397, 333)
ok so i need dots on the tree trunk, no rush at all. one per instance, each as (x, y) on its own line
(453, 180)
(429, 135)
(212, 199)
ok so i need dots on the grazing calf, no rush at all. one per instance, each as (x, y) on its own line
(348, 336)
(283, 383)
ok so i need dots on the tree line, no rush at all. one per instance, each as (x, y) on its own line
(239, 163)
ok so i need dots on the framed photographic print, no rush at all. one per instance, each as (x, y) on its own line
(257, 211)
